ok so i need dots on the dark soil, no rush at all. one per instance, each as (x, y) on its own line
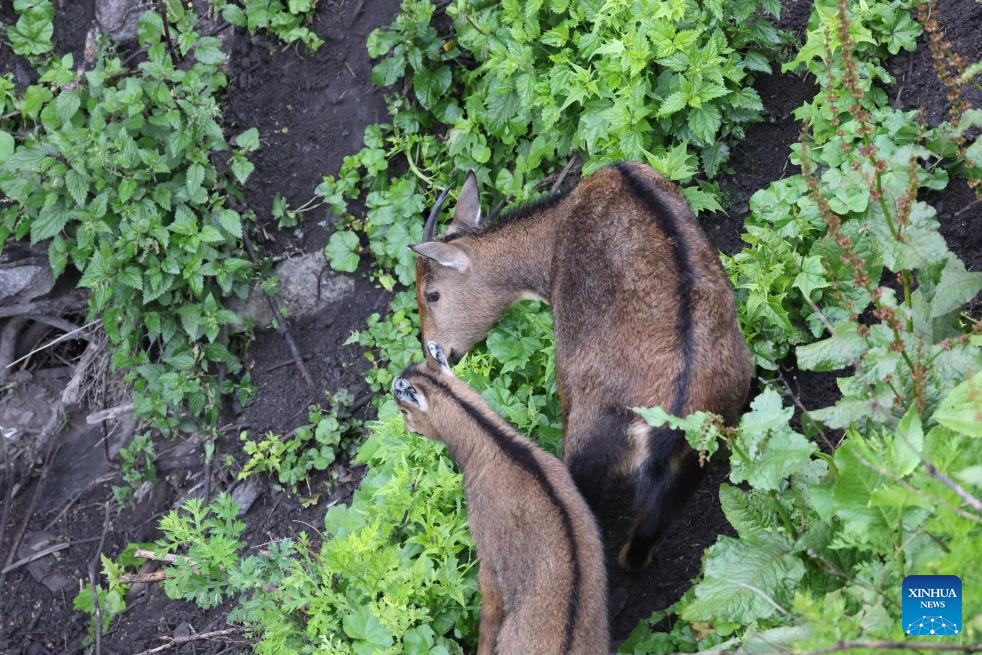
(311, 111)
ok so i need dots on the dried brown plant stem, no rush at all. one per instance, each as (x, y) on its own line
(177, 641)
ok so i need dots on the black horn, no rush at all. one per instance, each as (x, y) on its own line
(431, 221)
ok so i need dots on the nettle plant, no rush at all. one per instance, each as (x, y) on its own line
(519, 88)
(284, 19)
(122, 173)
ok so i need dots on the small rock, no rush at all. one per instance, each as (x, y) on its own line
(56, 582)
(245, 495)
(117, 18)
(24, 281)
(298, 290)
(33, 543)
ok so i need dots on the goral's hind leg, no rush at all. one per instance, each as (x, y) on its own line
(659, 500)
(492, 610)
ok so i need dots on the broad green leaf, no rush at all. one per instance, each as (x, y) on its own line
(961, 410)
(811, 277)
(67, 104)
(231, 222)
(50, 221)
(745, 512)
(673, 103)
(745, 580)
(908, 443)
(6, 145)
(342, 251)
(957, 287)
(248, 140)
(194, 177)
(77, 185)
(838, 351)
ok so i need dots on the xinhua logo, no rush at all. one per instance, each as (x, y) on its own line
(932, 605)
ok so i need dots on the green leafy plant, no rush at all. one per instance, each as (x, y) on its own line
(116, 173)
(31, 35)
(312, 447)
(669, 83)
(136, 460)
(284, 19)
(824, 537)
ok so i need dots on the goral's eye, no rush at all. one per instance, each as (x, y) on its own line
(432, 296)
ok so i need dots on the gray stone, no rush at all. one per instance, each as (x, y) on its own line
(117, 18)
(56, 582)
(245, 495)
(298, 290)
(24, 281)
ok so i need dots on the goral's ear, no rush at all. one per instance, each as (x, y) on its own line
(467, 215)
(436, 358)
(444, 254)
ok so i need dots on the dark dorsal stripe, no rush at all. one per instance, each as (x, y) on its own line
(524, 457)
(669, 224)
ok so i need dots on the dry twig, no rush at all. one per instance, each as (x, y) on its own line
(144, 578)
(177, 641)
(107, 414)
(562, 175)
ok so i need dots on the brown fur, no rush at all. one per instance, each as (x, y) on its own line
(602, 258)
(541, 575)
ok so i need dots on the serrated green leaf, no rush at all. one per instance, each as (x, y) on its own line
(77, 185)
(242, 169)
(194, 177)
(673, 103)
(67, 104)
(50, 221)
(248, 140)
(231, 222)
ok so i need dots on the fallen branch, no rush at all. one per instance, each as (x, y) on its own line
(163, 557)
(143, 578)
(177, 641)
(71, 302)
(8, 345)
(107, 414)
(278, 319)
(55, 322)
